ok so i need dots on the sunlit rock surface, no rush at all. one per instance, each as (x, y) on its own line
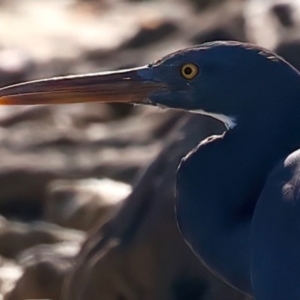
(44, 270)
(82, 204)
(16, 237)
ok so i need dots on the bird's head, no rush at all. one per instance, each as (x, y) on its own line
(227, 80)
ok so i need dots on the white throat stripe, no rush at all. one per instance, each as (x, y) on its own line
(229, 121)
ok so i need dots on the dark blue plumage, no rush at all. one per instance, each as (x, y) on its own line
(237, 195)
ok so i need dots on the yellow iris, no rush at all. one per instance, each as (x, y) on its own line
(189, 71)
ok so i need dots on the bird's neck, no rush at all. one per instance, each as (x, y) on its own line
(218, 185)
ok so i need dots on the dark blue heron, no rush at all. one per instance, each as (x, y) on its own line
(237, 195)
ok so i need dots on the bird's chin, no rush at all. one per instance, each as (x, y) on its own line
(168, 99)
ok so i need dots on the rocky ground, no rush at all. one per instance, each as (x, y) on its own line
(87, 191)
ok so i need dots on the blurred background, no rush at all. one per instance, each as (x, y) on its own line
(87, 191)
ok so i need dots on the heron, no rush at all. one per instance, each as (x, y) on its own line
(237, 194)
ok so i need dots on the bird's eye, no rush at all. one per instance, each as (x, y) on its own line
(189, 71)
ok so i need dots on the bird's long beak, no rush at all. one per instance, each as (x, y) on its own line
(132, 85)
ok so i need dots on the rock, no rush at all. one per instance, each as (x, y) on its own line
(16, 237)
(290, 51)
(151, 32)
(225, 22)
(10, 272)
(81, 204)
(45, 267)
(201, 5)
(217, 34)
(85, 27)
(139, 254)
(15, 66)
(280, 30)
(260, 24)
(284, 14)
(272, 23)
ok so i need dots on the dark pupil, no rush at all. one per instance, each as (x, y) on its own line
(188, 71)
